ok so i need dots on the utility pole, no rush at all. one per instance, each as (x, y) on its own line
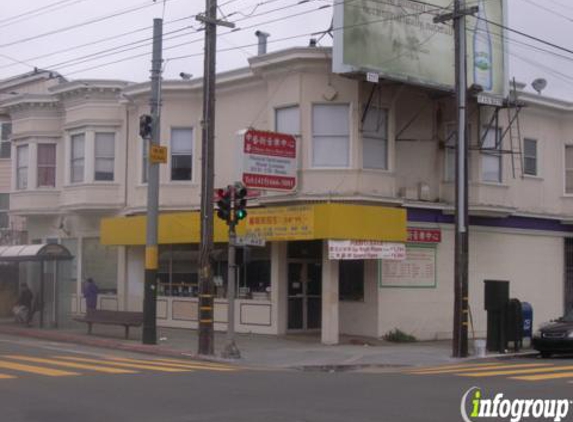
(461, 303)
(151, 252)
(206, 286)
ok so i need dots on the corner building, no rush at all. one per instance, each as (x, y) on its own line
(375, 163)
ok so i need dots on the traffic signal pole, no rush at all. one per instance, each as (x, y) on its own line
(231, 351)
(151, 253)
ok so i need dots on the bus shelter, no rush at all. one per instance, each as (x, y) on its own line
(42, 267)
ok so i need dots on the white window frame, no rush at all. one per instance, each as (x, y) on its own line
(491, 153)
(374, 136)
(535, 157)
(173, 153)
(22, 170)
(5, 144)
(570, 193)
(77, 159)
(4, 212)
(54, 166)
(346, 136)
(104, 157)
(297, 133)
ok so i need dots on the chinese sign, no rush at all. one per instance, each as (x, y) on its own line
(269, 160)
(365, 249)
(282, 223)
(417, 270)
(157, 154)
(424, 235)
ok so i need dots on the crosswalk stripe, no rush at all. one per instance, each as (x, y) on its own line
(125, 364)
(454, 367)
(175, 365)
(489, 369)
(541, 377)
(6, 377)
(36, 369)
(433, 369)
(516, 371)
(90, 367)
(195, 362)
(481, 368)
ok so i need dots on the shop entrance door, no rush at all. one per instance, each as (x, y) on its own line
(304, 295)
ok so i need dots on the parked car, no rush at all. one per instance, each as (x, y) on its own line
(555, 336)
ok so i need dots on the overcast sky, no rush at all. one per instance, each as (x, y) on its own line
(25, 39)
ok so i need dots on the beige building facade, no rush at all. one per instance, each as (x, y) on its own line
(372, 159)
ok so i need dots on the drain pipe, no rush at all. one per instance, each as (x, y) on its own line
(262, 36)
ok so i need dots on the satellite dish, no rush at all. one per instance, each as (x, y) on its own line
(539, 85)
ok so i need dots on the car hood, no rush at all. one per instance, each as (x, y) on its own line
(557, 326)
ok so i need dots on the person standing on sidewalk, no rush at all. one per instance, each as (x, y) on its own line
(23, 309)
(90, 291)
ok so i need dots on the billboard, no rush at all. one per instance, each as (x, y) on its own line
(399, 40)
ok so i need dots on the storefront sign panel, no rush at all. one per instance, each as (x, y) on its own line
(281, 223)
(416, 235)
(417, 270)
(269, 160)
(358, 249)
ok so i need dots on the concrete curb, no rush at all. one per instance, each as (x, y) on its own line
(59, 336)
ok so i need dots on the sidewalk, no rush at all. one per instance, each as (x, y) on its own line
(302, 351)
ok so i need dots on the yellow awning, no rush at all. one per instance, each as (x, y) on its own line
(305, 222)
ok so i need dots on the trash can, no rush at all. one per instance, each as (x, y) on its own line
(479, 348)
(514, 323)
(527, 312)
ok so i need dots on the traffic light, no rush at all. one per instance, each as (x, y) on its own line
(224, 204)
(145, 126)
(240, 202)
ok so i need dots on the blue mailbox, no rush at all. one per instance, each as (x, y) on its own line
(527, 312)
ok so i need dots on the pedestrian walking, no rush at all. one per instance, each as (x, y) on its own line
(90, 291)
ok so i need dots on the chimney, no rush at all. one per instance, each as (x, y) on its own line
(262, 36)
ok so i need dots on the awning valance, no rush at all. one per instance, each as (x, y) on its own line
(36, 252)
(304, 222)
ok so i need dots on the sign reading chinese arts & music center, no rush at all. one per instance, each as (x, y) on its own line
(269, 160)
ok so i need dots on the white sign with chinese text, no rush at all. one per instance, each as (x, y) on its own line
(417, 270)
(365, 249)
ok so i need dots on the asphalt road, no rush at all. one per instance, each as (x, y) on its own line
(49, 382)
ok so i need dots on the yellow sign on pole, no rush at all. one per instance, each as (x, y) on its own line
(158, 154)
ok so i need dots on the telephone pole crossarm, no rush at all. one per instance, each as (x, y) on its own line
(455, 15)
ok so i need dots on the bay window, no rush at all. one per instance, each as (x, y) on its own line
(77, 158)
(46, 165)
(330, 135)
(104, 156)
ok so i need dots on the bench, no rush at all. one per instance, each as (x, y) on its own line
(125, 318)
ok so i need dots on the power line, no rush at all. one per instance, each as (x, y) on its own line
(142, 6)
(33, 11)
(548, 10)
(35, 15)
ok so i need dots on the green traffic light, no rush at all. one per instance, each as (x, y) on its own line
(240, 214)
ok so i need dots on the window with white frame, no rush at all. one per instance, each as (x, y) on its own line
(569, 169)
(375, 139)
(181, 153)
(22, 167)
(4, 208)
(5, 132)
(104, 156)
(77, 158)
(491, 158)
(46, 165)
(530, 157)
(287, 120)
(330, 135)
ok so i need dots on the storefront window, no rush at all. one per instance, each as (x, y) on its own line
(100, 263)
(351, 280)
(179, 267)
(254, 273)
